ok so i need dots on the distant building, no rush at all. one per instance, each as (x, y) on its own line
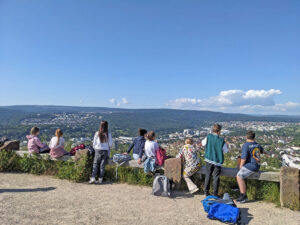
(188, 132)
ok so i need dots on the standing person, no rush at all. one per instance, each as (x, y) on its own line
(138, 146)
(151, 146)
(250, 163)
(34, 144)
(215, 147)
(102, 144)
(57, 145)
(191, 164)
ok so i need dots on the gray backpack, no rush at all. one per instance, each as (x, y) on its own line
(161, 186)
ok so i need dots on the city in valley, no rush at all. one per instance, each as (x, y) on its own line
(80, 127)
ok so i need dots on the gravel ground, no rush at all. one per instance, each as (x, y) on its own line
(29, 199)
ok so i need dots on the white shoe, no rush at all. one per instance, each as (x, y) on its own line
(100, 181)
(194, 190)
(92, 180)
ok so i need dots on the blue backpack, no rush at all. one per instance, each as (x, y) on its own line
(221, 211)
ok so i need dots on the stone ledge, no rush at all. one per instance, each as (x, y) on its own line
(228, 172)
(45, 156)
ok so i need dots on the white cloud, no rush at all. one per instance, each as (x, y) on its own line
(124, 101)
(116, 102)
(251, 101)
(113, 101)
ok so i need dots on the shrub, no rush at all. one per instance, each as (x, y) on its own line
(9, 161)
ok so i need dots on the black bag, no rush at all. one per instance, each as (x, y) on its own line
(91, 150)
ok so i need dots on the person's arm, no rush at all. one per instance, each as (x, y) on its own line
(225, 148)
(141, 153)
(130, 147)
(95, 140)
(142, 150)
(39, 143)
(204, 142)
(244, 155)
(110, 140)
(62, 142)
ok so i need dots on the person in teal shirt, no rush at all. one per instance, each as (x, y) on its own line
(215, 147)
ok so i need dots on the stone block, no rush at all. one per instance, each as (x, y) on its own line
(80, 154)
(173, 169)
(290, 188)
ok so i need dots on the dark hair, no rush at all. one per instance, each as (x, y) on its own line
(34, 130)
(142, 132)
(251, 135)
(217, 128)
(103, 131)
(151, 136)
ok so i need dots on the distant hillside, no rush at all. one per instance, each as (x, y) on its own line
(158, 118)
(12, 116)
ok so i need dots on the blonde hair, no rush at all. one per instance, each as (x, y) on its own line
(34, 130)
(189, 141)
(58, 134)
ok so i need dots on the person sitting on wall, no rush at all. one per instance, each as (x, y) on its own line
(191, 164)
(138, 146)
(34, 144)
(250, 163)
(151, 147)
(57, 145)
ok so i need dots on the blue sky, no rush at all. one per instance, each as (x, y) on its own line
(230, 56)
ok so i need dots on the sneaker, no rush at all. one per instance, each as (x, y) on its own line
(206, 193)
(193, 191)
(242, 199)
(100, 181)
(92, 180)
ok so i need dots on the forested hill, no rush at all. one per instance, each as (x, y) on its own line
(14, 114)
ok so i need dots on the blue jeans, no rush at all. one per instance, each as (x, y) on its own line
(135, 156)
(100, 160)
(149, 165)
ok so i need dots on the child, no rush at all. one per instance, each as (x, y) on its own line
(151, 147)
(34, 143)
(138, 146)
(215, 147)
(102, 144)
(57, 145)
(191, 164)
(250, 163)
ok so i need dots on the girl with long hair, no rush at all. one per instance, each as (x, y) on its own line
(57, 145)
(102, 144)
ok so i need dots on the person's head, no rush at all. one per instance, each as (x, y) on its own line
(189, 141)
(103, 131)
(151, 136)
(35, 131)
(142, 132)
(251, 135)
(58, 134)
(217, 128)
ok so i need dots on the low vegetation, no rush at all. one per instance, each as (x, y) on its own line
(80, 171)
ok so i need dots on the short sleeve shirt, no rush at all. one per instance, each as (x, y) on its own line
(251, 152)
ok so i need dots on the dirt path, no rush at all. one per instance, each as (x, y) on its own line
(28, 199)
